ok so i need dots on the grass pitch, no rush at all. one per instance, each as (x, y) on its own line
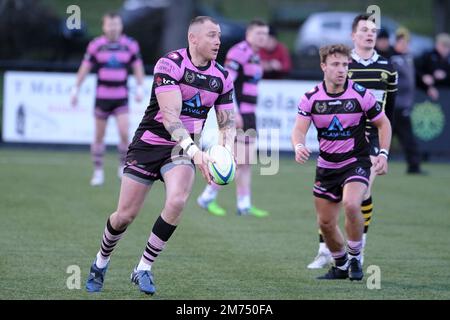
(52, 219)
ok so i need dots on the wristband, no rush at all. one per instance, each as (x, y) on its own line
(384, 153)
(299, 145)
(192, 150)
(189, 146)
(186, 143)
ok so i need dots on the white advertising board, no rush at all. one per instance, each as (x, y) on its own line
(37, 109)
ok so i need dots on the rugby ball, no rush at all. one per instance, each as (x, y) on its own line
(223, 170)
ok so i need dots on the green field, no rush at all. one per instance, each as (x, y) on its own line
(51, 219)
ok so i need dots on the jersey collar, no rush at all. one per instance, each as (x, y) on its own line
(364, 62)
(335, 95)
(201, 68)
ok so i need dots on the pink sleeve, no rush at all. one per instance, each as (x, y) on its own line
(166, 75)
(225, 100)
(371, 107)
(304, 108)
(368, 101)
(136, 53)
(234, 61)
(90, 55)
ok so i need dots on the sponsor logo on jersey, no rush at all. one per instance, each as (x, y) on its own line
(214, 84)
(167, 81)
(113, 62)
(303, 113)
(193, 105)
(359, 87)
(349, 106)
(174, 56)
(335, 130)
(195, 101)
(320, 107)
(189, 76)
(163, 81)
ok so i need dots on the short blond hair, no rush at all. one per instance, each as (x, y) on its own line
(443, 38)
(201, 20)
(402, 33)
(332, 49)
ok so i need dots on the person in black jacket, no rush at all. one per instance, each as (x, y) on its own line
(434, 67)
(403, 62)
(382, 45)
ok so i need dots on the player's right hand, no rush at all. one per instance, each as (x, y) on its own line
(380, 165)
(74, 96)
(73, 100)
(302, 154)
(439, 74)
(428, 79)
(201, 160)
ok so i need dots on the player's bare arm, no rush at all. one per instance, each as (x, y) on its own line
(298, 138)
(226, 120)
(138, 71)
(385, 133)
(83, 71)
(170, 104)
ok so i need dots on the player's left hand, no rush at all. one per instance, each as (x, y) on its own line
(302, 154)
(380, 166)
(440, 74)
(139, 94)
(74, 96)
(201, 160)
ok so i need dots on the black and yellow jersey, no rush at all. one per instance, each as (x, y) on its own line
(378, 75)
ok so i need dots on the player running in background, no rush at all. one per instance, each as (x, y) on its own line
(111, 56)
(339, 108)
(244, 65)
(187, 84)
(374, 72)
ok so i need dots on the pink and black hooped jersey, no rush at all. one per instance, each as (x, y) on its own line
(112, 61)
(201, 88)
(245, 68)
(340, 120)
